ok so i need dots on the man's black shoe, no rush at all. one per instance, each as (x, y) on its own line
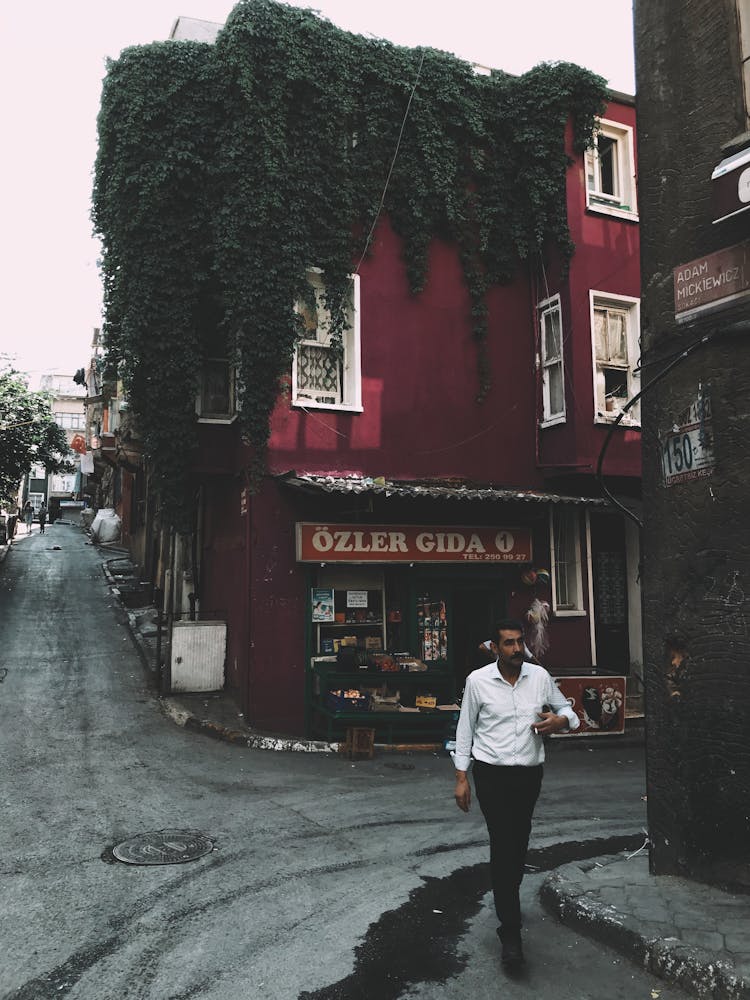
(512, 949)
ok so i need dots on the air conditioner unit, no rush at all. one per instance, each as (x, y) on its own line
(198, 656)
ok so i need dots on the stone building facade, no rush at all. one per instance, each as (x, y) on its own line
(694, 195)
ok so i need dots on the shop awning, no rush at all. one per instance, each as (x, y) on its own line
(432, 489)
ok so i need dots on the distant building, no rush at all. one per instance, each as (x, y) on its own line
(67, 405)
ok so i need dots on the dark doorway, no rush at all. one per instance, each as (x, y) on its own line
(474, 612)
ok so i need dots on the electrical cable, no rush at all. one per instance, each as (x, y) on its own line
(393, 163)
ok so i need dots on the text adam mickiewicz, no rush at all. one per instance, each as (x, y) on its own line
(710, 279)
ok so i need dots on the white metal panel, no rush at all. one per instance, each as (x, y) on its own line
(198, 655)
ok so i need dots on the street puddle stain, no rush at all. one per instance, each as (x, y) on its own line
(418, 942)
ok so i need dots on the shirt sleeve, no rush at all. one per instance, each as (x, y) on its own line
(559, 705)
(465, 728)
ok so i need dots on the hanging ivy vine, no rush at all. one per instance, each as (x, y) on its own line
(225, 171)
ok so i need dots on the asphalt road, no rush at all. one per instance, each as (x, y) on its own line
(328, 880)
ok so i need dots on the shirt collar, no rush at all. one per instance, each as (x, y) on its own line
(524, 671)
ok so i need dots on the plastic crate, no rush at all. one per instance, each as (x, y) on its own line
(340, 703)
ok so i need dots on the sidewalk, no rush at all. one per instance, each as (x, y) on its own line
(687, 933)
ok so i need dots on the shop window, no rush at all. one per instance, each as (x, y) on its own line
(326, 374)
(551, 352)
(610, 171)
(216, 399)
(567, 587)
(347, 610)
(616, 337)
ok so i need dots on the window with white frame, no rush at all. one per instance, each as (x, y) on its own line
(327, 374)
(615, 325)
(610, 171)
(567, 582)
(216, 397)
(71, 421)
(551, 354)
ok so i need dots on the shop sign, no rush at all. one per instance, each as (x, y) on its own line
(712, 282)
(322, 605)
(356, 598)
(396, 543)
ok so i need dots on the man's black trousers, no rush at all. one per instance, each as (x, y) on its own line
(507, 796)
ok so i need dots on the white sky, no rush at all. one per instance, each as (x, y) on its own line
(52, 57)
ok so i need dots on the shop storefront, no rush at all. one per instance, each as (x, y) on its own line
(396, 616)
(369, 600)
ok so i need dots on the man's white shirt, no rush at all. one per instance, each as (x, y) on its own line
(495, 725)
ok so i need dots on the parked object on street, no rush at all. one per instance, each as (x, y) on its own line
(106, 526)
(198, 654)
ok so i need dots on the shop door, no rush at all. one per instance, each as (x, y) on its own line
(610, 594)
(473, 613)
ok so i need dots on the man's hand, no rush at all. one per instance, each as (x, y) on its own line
(550, 722)
(463, 791)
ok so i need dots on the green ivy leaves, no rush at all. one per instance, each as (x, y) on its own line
(225, 171)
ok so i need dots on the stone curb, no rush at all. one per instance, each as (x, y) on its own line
(255, 741)
(693, 969)
(174, 711)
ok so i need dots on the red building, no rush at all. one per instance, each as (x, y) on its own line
(403, 510)
(394, 463)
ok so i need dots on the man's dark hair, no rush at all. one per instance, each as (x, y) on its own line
(508, 625)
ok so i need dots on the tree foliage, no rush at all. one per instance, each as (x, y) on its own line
(28, 435)
(225, 171)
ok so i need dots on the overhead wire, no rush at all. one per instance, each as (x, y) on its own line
(381, 204)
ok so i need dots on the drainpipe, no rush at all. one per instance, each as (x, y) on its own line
(247, 636)
(169, 595)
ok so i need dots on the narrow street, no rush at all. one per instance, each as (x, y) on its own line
(328, 879)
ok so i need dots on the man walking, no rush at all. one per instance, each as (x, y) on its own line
(507, 709)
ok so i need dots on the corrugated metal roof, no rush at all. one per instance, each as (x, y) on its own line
(433, 489)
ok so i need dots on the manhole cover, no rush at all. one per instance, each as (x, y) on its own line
(163, 847)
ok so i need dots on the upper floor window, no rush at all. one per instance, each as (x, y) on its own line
(71, 421)
(327, 374)
(551, 353)
(216, 399)
(610, 171)
(616, 336)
